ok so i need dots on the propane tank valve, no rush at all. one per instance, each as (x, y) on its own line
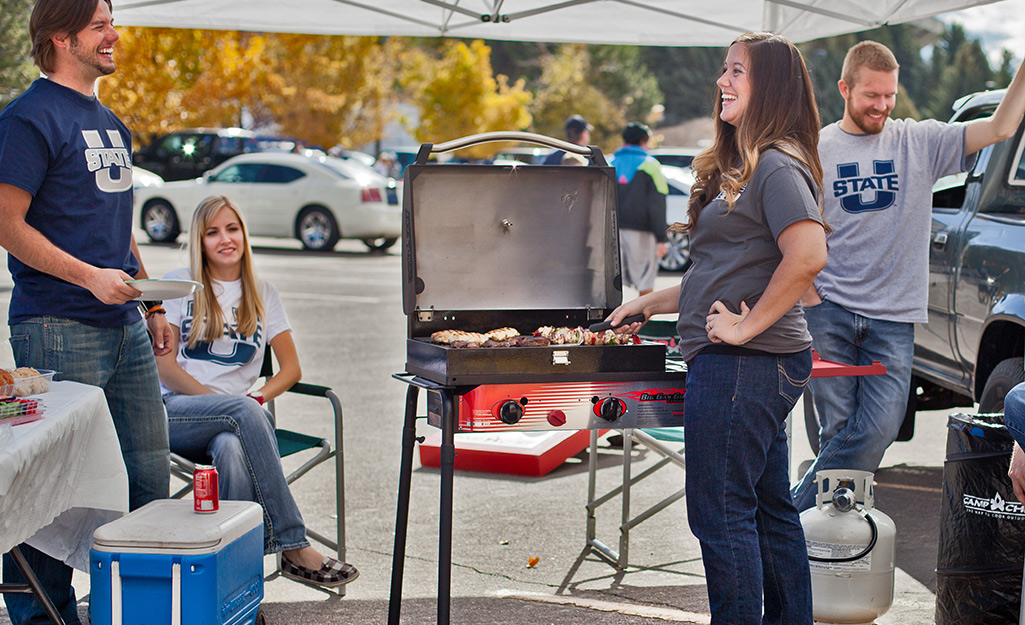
(843, 499)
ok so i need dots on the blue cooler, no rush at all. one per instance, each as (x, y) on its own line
(165, 564)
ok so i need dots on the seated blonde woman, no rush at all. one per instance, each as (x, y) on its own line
(220, 335)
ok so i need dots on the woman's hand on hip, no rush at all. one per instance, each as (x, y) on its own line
(725, 326)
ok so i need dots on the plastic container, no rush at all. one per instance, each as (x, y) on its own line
(14, 410)
(29, 385)
(163, 563)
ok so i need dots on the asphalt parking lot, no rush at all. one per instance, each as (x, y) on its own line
(345, 308)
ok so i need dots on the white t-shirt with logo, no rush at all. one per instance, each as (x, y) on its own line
(232, 363)
(877, 198)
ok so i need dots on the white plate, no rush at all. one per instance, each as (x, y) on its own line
(156, 288)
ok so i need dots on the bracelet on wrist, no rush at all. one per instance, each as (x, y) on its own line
(257, 396)
(156, 310)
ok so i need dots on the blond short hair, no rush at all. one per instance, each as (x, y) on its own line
(870, 54)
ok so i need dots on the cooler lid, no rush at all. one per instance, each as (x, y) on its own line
(505, 237)
(171, 525)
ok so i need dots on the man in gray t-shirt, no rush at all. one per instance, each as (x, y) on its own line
(877, 198)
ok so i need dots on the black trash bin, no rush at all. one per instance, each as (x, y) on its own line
(982, 526)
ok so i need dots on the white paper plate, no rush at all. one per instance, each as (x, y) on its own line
(157, 288)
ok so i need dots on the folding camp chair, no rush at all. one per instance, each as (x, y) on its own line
(289, 443)
(662, 441)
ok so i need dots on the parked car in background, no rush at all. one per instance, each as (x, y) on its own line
(317, 200)
(527, 155)
(188, 153)
(142, 178)
(675, 157)
(680, 180)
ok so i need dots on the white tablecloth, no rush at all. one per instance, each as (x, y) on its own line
(63, 473)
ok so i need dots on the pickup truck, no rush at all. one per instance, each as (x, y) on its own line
(971, 349)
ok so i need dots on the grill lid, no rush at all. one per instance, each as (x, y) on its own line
(499, 237)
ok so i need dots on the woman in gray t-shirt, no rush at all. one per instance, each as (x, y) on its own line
(757, 243)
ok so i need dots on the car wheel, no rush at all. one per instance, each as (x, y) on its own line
(379, 244)
(811, 421)
(160, 221)
(677, 256)
(316, 229)
(1005, 376)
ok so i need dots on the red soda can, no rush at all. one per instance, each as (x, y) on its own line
(204, 489)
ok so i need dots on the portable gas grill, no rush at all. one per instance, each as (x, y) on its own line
(494, 246)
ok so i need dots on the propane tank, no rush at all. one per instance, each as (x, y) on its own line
(850, 549)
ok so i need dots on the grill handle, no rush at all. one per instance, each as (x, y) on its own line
(592, 152)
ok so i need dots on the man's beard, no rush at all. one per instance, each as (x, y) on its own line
(867, 126)
(90, 58)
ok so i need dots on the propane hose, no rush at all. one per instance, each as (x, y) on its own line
(864, 552)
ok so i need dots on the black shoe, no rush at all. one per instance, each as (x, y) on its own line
(615, 441)
(330, 574)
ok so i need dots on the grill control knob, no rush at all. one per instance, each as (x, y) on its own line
(556, 417)
(509, 411)
(610, 408)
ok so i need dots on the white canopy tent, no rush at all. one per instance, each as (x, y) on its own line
(628, 22)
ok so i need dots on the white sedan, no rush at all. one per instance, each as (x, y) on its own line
(317, 200)
(680, 179)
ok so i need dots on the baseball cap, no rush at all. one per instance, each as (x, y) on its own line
(577, 124)
(635, 132)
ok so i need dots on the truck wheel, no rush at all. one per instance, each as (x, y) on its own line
(811, 421)
(1006, 375)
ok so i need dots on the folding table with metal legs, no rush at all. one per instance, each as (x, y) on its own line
(31, 586)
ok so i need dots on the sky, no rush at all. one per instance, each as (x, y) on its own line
(998, 25)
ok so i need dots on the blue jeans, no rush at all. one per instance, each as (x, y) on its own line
(738, 496)
(859, 416)
(120, 361)
(1014, 413)
(238, 435)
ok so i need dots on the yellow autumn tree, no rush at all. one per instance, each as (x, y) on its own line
(321, 89)
(458, 95)
(169, 78)
(329, 90)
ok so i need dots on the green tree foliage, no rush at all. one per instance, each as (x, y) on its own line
(16, 68)
(457, 95)
(687, 78)
(565, 88)
(965, 70)
(609, 85)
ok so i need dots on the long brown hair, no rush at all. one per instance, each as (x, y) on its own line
(54, 17)
(781, 114)
(207, 317)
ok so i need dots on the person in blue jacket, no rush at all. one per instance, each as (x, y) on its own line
(641, 209)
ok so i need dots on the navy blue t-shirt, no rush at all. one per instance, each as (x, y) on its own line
(74, 156)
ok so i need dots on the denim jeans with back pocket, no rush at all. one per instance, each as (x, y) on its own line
(738, 487)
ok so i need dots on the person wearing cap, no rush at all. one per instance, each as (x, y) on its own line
(641, 208)
(578, 131)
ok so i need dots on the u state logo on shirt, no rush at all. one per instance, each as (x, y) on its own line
(862, 194)
(104, 161)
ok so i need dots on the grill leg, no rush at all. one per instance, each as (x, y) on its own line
(448, 457)
(402, 509)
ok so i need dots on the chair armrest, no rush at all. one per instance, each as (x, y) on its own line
(309, 389)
